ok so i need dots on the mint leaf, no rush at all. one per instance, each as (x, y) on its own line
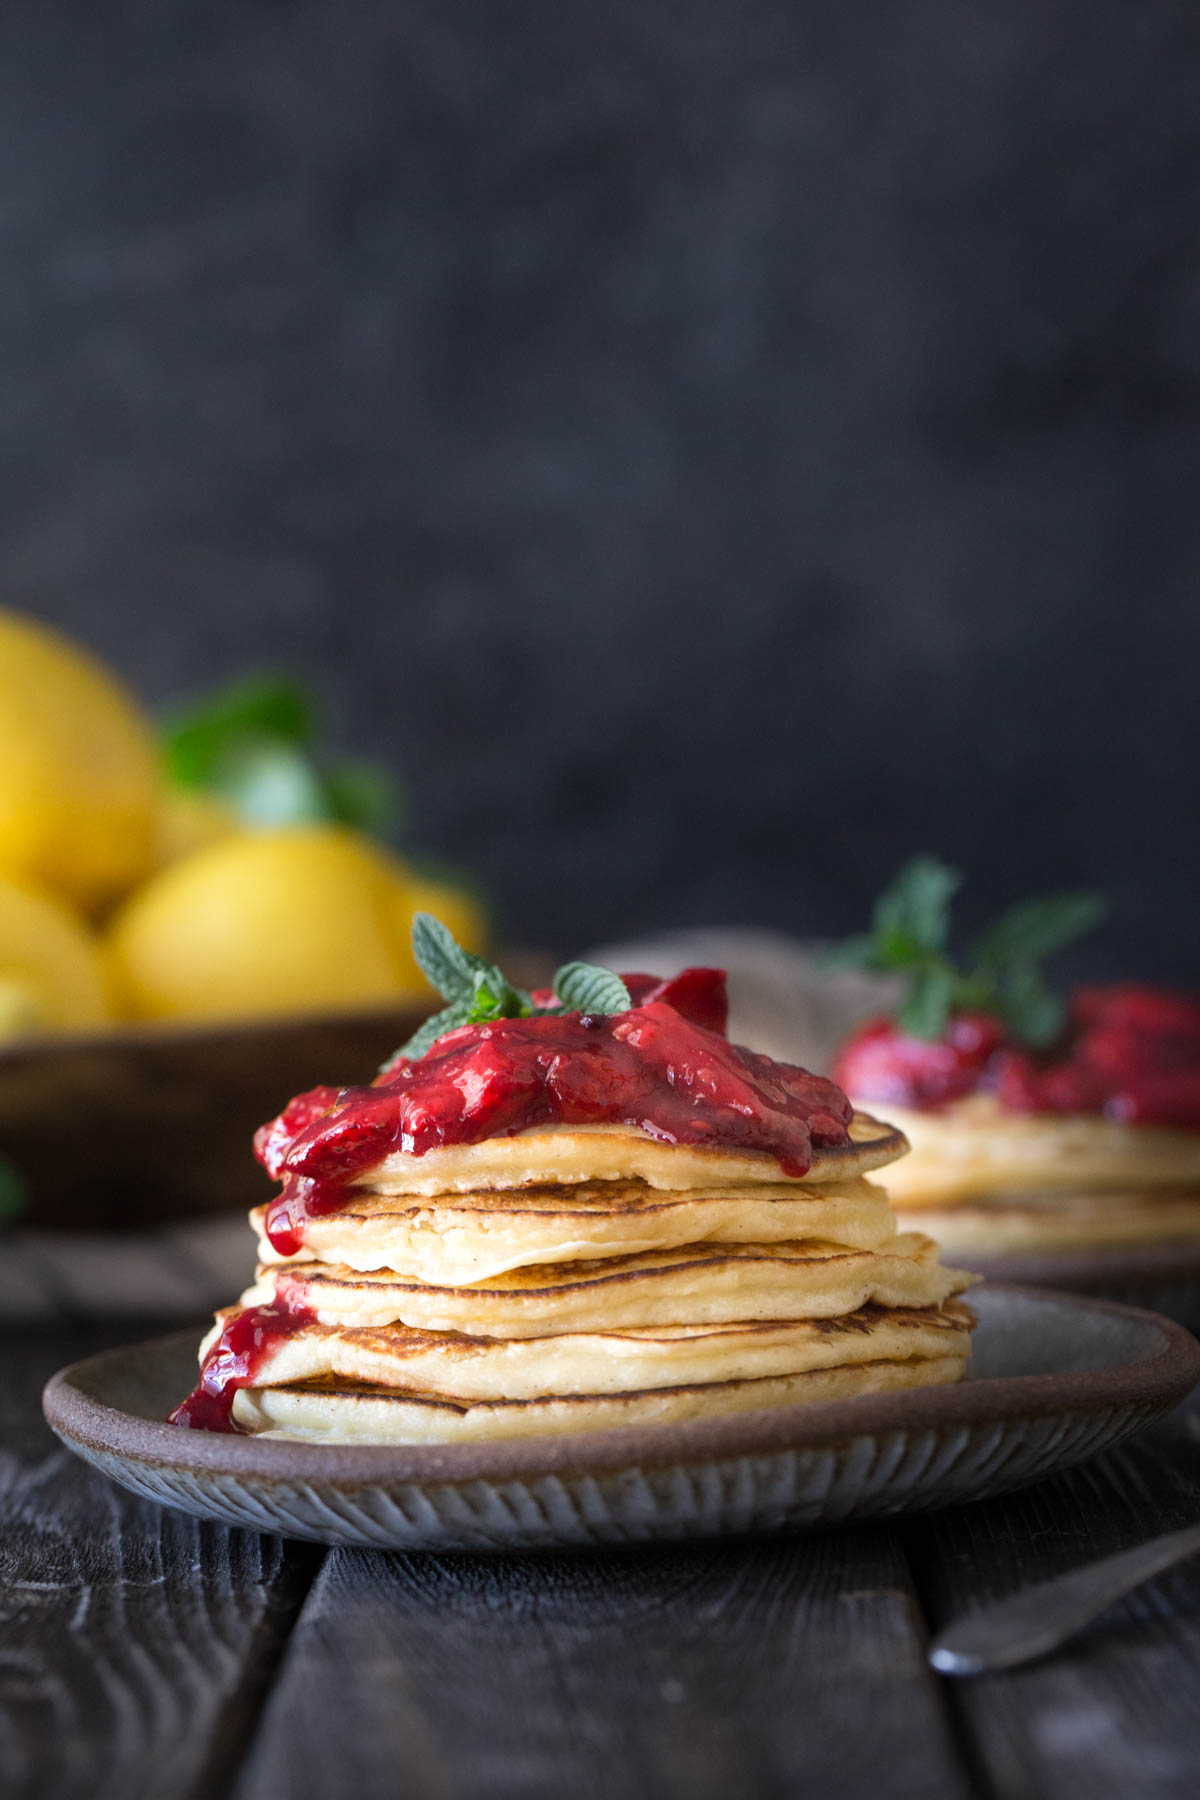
(588, 988)
(496, 998)
(198, 739)
(364, 794)
(1008, 953)
(443, 961)
(475, 988)
(926, 1009)
(478, 991)
(1037, 928)
(489, 1003)
(910, 936)
(1030, 1011)
(913, 914)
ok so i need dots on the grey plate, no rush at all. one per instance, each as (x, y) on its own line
(1055, 1378)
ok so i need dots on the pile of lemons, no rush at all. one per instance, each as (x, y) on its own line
(122, 897)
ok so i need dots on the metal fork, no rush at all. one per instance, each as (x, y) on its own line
(1041, 1618)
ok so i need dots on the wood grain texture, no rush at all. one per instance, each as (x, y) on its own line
(145, 1656)
(786, 1668)
(1117, 1712)
(177, 1273)
(134, 1642)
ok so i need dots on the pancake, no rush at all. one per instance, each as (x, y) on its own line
(1000, 1224)
(462, 1238)
(702, 1284)
(575, 1278)
(552, 1155)
(461, 1368)
(332, 1412)
(974, 1147)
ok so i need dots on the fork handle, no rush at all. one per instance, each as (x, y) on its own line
(1041, 1618)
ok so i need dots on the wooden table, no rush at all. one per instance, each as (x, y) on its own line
(145, 1654)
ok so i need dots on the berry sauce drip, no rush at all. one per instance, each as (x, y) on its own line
(665, 1067)
(236, 1360)
(1130, 1052)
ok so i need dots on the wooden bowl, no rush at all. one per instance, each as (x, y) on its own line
(153, 1122)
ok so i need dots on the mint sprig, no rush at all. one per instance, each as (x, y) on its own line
(910, 935)
(477, 990)
(444, 963)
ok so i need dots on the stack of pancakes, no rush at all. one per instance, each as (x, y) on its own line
(986, 1181)
(572, 1278)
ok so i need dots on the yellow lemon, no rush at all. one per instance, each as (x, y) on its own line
(264, 923)
(189, 819)
(51, 971)
(79, 781)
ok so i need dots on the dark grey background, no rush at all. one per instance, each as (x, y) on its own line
(716, 448)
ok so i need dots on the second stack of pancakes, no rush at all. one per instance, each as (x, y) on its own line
(987, 1182)
(575, 1278)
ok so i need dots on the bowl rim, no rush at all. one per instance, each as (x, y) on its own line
(131, 1035)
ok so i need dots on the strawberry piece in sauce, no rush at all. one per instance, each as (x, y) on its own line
(696, 994)
(882, 1063)
(1132, 1053)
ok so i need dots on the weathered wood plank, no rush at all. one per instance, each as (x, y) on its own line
(29, 1294)
(96, 1276)
(753, 1669)
(220, 1252)
(1118, 1712)
(176, 1273)
(135, 1642)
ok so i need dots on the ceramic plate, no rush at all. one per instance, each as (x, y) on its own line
(1054, 1379)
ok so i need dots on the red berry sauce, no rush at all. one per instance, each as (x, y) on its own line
(882, 1063)
(1130, 1052)
(665, 1067)
(236, 1360)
